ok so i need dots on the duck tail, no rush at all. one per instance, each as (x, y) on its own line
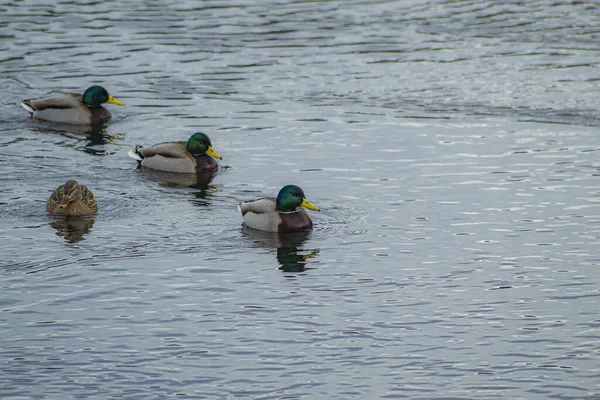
(136, 154)
(27, 105)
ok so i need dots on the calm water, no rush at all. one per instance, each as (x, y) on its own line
(453, 150)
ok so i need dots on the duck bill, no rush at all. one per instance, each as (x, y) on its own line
(65, 202)
(309, 205)
(112, 100)
(212, 152)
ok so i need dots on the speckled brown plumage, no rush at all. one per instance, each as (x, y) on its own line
(72, 199)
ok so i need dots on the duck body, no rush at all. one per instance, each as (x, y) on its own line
(174, 157)
(72, 199)
(72, 108)
(283, 214)
(65, 108)
(180, 157)
(262, 214)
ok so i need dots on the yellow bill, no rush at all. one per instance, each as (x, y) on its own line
(112, 100)
(212, 152)
(309, 205)
(65, 202)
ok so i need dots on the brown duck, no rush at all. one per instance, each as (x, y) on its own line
(72, 199)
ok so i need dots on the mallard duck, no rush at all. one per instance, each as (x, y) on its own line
(72, 199)
(283, 214)
(183, 157)
(73, 108)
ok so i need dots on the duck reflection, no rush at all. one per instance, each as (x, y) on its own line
(72, 228)
(170, 179)
(61, 128)
(200, 182)
(291, 260)
(95, 136)
(289, 255)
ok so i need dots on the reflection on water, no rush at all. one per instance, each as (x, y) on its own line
(199, 180)
(61, 128)
(291, 259)
(93, 137)
(290, 256)
(202, 191)
(72, 228)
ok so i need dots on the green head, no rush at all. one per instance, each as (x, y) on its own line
(199, 143)
(291, 197)
(95, 96)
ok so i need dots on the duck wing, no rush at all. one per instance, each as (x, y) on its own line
(168, 149)
(87, 197)
(55, 199)
(57, 101)
(261, 206)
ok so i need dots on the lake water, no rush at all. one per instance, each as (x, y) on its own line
(451, 146)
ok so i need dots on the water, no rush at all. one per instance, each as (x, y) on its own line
(452, 148)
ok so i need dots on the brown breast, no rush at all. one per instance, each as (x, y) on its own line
(295, 221)
(205, 163)
(99, 114)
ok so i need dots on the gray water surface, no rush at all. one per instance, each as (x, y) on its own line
(451, 146)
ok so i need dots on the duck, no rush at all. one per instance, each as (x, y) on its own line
(193, 156)
(283, 214)
(73, 108)
(72, 199)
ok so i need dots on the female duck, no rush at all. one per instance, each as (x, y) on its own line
(72, 199)
(284, 214)
(183, 157)
(73, 108)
